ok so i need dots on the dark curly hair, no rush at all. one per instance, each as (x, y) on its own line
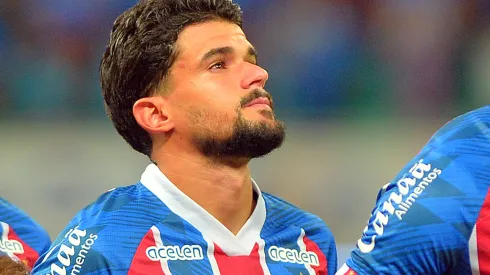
(11, 267)
(141, 51)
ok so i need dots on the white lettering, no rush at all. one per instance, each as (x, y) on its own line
(66, 253)
(11, 246)
(173, 253)
(409, 188)
(419, 169)
(366, 248)
(281, 254)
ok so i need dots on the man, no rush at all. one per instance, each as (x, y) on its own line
(181, 85)
(434, 217)
(21, 237)
(9, 266)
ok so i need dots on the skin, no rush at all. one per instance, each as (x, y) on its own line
(214, 71)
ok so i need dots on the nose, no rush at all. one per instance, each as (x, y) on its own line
(254, 77)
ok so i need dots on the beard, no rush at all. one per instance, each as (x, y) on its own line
(248, 139)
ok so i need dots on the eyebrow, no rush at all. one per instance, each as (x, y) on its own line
(224, 51)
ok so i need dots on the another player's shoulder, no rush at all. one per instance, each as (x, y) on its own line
(473, 124)
(477, 116)
(20, 235)
(285, 212)
(21, 222)
(12, 214)
(427, 213)
(480, 114)
(6, 205)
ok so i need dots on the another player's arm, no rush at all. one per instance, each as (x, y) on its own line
(395, 240)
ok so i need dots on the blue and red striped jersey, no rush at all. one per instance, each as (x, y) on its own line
(21, 237)
(154, 228)
(434, 217)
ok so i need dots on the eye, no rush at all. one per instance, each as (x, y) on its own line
(218, 65)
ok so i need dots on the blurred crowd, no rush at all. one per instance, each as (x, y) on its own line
(346, 59)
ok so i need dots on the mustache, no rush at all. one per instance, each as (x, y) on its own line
(256, 93)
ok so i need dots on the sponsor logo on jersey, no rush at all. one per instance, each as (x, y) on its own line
(11, 246)
(175, 252)
(409, 188)
(287, 255)
(73, 251)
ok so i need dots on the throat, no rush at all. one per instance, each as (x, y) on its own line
(226, 193)
(233, 213)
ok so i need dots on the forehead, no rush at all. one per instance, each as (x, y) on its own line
(195, 40)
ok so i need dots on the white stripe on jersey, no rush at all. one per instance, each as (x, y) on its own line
(159, 245)
(5, 236)
(473, 250)
(212, 259)
(263, 262)
(302, 247)
(343, 270)
(5, 230)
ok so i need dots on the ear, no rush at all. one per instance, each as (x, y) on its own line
(151, 113)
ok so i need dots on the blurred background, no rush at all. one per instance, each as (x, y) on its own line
(361, 87)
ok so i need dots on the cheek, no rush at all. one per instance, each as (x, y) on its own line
(218, 92)
(219, 115)
(209, 105)
(212, 120)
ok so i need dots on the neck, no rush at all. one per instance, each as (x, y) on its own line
(223, 189)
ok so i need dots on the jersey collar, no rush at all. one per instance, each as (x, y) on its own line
(179, 203)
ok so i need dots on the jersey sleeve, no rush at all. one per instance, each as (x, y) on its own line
(103, 238)
(423, 221)
(77, 250)
(321, 240)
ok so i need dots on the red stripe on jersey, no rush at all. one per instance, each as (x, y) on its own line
(30, 256)
(311, 246)
(483, 236)
(141, 264)
(238, 265)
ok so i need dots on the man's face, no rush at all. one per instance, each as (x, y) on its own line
(216, 93)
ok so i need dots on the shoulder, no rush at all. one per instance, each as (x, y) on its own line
(104, 236)
(120, 206)
(279, 205)
(118, 211)
(285, 213)
(314, 233)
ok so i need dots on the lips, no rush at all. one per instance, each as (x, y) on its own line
(257, 101)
